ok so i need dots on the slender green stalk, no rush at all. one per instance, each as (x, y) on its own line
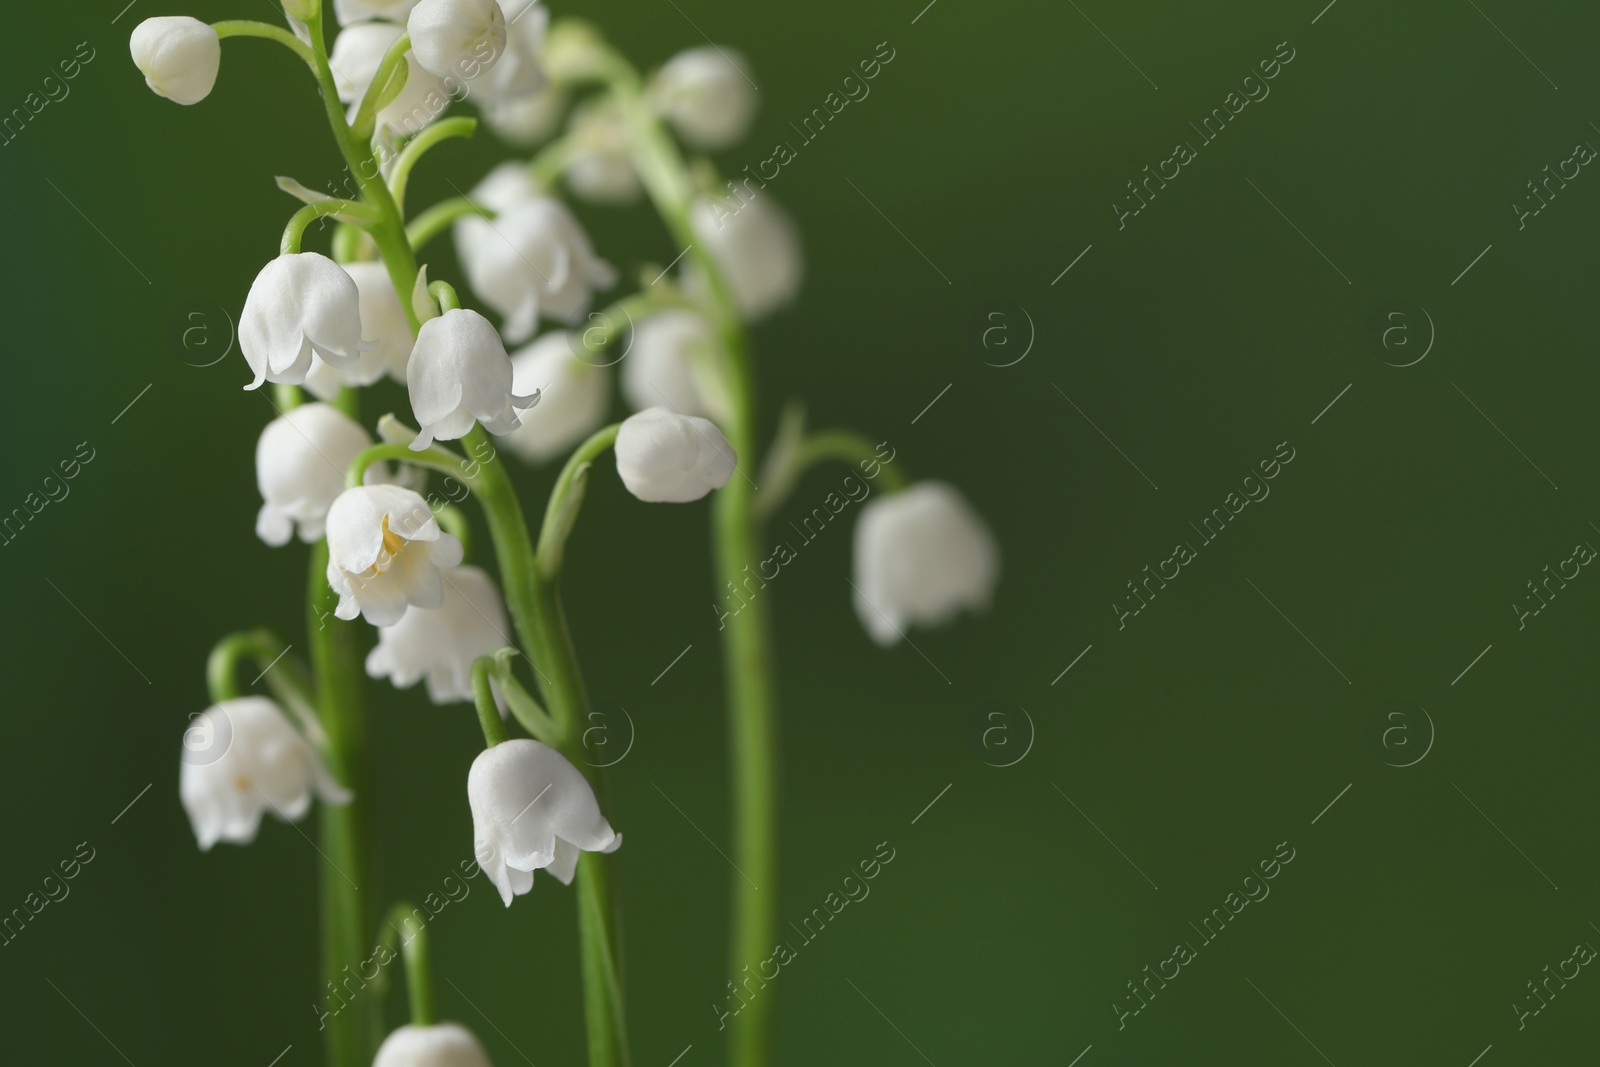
(443, 130)
(494, 729)
(295, 231)
(418, 961)
(286, 677)
(366, 116)
(561, 514)
(250, 28)
(440, 217)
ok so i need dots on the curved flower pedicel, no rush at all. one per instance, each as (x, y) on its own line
(440, 1045)
(301, 304)
(532, 810)
(440, 644)
(385, 553)
(300, 463)
(241, 759)
(178, 56)
(664, 457)
(459, 374)
(921, 556)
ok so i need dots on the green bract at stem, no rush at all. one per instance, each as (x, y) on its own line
(419, 970)
(566, 500)
(443, 130)
(438, 218)
(386, 84)
(251, 28)
(494, 728)
(295, 231)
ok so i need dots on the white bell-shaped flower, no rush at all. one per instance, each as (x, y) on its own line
(349, 11)
(671, 363)
(178, 56)
(921, 556)
(667, 458)
(707, 94)
(383, 322)
(518, 74)
(441, 644)
(573, 396)
(532, 809)
(503, 188)
(301, 304)
(600, 163)
(757, 247)
(526, 120)
(457, 38)
(533, 259)
(358, 50)
(459, 374)
(241, 759)
(301, 459)
(440, 1045)
(385, 553)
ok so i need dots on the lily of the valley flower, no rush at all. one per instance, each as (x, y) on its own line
(442, 643)
(442, 1045)
(757, 247)
(533, 259)
(601, 164)
(301, 304)
(707, 95)
(460, 374)
(921, 556)
(357, 52)
(385, 553)
(518, 74)
(300, 463)
(383, 321)
(457, 38)
(670, 364)
(664, 457)
(574, 396)
(241, 759)
(178, 56)
(349, 11)
(532, 810)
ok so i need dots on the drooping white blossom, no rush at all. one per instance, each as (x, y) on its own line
(457, 38)
(518, 74)
(532, 810)
(383, 323)
(600, 163)
(921, 556)
(440, 1045)
(706, 93)
(241, 759)
(573, 396)
(533, 259)
(526, 120)
(440, 644)
(349, 11)
(301, 304)
(459, 374)
(756, 245)
(385, 553)
(664, 457)
(357, 52)
(672, 364)
(301, 459)
(179, 57)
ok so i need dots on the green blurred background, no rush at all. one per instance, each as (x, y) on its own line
(1172, 757)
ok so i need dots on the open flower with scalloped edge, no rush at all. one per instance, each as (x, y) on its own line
(534, 259)
(459, 374)
(385, 553)
(301, 304)
(440, 644)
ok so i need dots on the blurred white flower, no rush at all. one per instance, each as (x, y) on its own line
(707, 95)
(241, 759)
(757, 247)
(573, 396)
(358, 50)
(518, 74)
(302, 303)
(921, 556)
(178, 56)
(600, 167)
(526, 120)
(442, 643)
(532, 809)
(441, 1045)
(533, 259)
(457, 38)
(459, 374)
(385, 552)
(349, 11)
(664, 457)
(383, 321)
(671, 363)
(301, 458)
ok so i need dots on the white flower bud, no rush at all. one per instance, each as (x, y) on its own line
(533, 259)
(457, 38)
(600, 167)
(671, 363)
(385, 552)
(459, 374)
(757, 247)
(358, 50)
(707, 95)
(241, 759)
(573, 397)
(531, 810)
(442, 643)
(664, 457)
(921, 556)
(348, 11)
(178, 57)
(301, 304)
(443, 1045)
(301, 460)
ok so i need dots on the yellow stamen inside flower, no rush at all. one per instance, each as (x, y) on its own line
(392, 542)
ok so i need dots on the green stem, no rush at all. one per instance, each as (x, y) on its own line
(295, 231)
(494, 728)
(362, 125)
(251, 28)
(433, 457)
(443, 130)
(285, 676)
(439, 218)
(419, 969)
(561, 513)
